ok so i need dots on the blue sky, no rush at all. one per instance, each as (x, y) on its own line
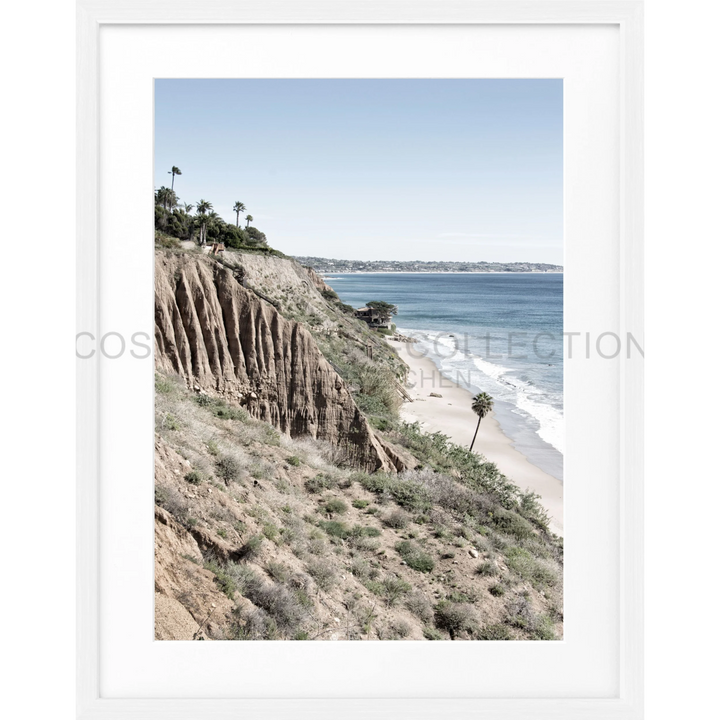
(374, 169)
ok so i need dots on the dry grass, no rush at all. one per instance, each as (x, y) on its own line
(307, 557)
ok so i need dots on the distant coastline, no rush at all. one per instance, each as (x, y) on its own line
(330, 273)
(333, 265)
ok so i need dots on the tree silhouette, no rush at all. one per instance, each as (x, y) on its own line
(175, 171)
(482, 404)
(238, 207)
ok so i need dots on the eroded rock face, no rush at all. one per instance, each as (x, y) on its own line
(221, 337)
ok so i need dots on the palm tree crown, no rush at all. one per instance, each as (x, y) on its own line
(249, 219)
(204, 215)
(166, 197)
(482, 404)
(175, 171)
(238, 207)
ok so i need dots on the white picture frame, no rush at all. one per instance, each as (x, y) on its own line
(627, 16)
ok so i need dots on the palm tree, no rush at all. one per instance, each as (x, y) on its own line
(249, 219)
(203, 207)
(175, 171)
(238, 207)
(210, 221)
(482, 404)
(166, 197)
(188, 207)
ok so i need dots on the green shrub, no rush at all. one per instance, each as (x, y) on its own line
(278, 571)
(456, 618)
(494, 632)
(391, 588)
(458, 596)
(170, 499)
(419, 605)
(271, 532)
(532, 508)
(529, 568)
(163, 385)
(397, 519)
(414, 556)
(394, 588)
(253, 624)
(360, 531)
(496, 590)
(430, 633)
(193, 477)
(293, 460)
(319, 483)
(276, 600)
(169, 422)
(376, 483)
(400, 628)
(410, 495)
(166, 241)
(381, 423)
(252, 547)
(487, 569)
(228, 468)
(224, 580)
(406, 493)
(335, 528)
(228, 413)
(335, 506)
(360, 568)
(512, 524)
(543, 629)
(360, 504)
(365, 543)
(323, 574)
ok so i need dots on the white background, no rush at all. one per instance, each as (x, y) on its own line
(585, 664)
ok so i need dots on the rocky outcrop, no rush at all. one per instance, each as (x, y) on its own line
(222, 338)
(399, 457)
(317, 281)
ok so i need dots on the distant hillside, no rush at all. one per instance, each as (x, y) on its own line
(332, 265)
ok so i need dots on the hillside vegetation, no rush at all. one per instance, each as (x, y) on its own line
(267, 527)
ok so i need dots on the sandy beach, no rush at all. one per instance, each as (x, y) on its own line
(451, 415)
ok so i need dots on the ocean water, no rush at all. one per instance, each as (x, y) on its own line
(499, 333)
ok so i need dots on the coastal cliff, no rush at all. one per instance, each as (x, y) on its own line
(291, 501)
(222, 338)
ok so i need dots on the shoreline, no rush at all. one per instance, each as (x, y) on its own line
(452, 416)
(441, 272)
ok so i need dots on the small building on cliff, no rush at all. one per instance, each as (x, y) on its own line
(373, 317)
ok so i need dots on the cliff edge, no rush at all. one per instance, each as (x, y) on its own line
(221, 338)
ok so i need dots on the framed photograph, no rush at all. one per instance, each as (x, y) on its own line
(594, 52)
